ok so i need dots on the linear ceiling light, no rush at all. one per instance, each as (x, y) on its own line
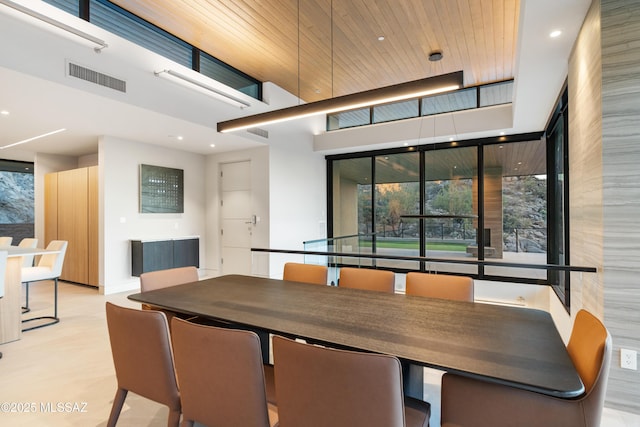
(209, 90)
(399, 92)
(101, 43)
(33, 138)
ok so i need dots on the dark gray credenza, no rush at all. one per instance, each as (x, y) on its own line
(152, 255)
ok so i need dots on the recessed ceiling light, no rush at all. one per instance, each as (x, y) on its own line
(436, 55)
(450, 138)
(212, 145)
(380, 38)
(406, 144)
(555, 33)
(4, 112)
(501, 133)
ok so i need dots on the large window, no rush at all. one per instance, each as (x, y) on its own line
(476, 208)
(558, 141)
(397, 195)
(16, 200)
(450, 206)
(515, 207)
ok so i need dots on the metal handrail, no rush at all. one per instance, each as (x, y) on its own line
(554, 267)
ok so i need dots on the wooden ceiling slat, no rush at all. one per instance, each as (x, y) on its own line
(498, 37)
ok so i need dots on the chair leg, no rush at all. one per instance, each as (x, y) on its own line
(54, 318)
(55, 298)
(118, 401)
(26, 308)
(174, 418)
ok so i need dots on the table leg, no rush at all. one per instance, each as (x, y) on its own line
(413, 380)
(10, 304)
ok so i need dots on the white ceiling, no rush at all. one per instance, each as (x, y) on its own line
(40, 98)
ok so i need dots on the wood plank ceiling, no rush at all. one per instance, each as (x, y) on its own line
(334, 50)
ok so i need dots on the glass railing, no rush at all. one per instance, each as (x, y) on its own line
(443, 254)
(323, 252)
(356, 244)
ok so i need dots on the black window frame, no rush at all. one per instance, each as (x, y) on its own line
(422, 149)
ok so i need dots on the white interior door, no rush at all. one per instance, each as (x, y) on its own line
(237, 218)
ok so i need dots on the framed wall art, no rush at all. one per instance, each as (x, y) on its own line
(161, 189)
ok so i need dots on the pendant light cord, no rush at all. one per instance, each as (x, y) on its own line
(331, 18)
(299, 97)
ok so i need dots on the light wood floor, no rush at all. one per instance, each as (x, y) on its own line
(70, 364)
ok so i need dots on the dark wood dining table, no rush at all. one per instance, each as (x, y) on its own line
(517, 346)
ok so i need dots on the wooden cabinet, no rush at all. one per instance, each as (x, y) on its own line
(71, 214)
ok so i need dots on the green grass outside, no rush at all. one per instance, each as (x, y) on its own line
(431, 246)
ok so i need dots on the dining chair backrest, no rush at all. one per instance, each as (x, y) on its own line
(590, 350)
(3, 268)
(468, 401)
(367, 278)
(54, 261)
(306, 273)
(27, 242)
(444, 286)
(160, 279)
(320, 386)
(220, 375)
(5, 241)
(143, 359)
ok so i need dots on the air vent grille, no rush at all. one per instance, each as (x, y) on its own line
(260, 132)
(96, 77)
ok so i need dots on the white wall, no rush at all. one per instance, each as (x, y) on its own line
(297, 198)
(120, 221)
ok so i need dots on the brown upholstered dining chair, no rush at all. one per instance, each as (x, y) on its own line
(368, 279)
(143, 359)
(160, 279)
(471, 402)
(305, 273)
(221, 376)
(444, 286)
(318, 386)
